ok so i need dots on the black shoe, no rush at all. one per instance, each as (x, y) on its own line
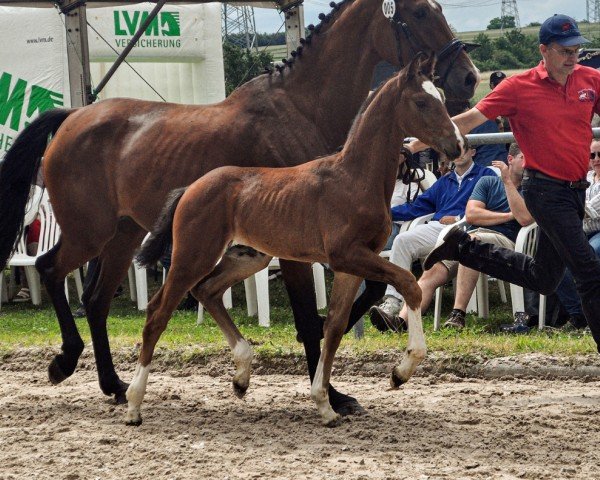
(519, 326)
(80, 312)
(577, 322)
(448, 249)
(456, 319)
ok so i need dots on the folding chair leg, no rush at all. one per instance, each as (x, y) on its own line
(33, 280)
(131, 278)
(437, 308)
(250, 289)
(262, 297)
(78, 283)
(483, 306)
(319, 277)
(141, 287)
(502, 288)
(542, 312)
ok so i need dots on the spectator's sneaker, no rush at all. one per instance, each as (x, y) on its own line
(519, 325)
(385, 316)
(456, 319)
(22, 296)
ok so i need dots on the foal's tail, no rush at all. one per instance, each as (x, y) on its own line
(161, 237)
(17, 173)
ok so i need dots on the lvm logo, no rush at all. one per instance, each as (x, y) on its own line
(18, 105)
(165, 24)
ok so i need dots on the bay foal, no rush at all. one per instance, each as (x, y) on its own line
(333, 210)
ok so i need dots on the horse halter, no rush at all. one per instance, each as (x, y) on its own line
(450, 51)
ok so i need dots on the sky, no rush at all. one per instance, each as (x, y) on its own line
(463, 15)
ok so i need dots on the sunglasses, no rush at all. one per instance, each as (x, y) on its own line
(593, 155)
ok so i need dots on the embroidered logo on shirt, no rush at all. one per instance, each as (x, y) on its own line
(587, 95)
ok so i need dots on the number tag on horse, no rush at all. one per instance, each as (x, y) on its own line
(389, 8)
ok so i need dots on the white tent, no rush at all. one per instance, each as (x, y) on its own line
(179, 55)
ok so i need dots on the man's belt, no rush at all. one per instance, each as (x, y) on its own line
(577, 185)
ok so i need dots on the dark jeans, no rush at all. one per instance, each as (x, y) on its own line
(558, 210)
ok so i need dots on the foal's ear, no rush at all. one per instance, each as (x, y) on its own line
(414, 67)
(428, 61)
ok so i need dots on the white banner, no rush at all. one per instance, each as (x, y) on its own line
(33, 75)
(176, 34)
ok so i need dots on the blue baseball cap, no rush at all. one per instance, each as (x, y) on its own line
(561, 29)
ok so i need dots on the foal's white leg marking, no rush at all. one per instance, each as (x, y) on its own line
(415, 350)
(319, 392)
(242, 357)
(135, 394)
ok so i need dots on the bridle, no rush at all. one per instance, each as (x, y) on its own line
(449, 52)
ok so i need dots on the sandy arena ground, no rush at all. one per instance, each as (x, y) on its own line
(194, 428)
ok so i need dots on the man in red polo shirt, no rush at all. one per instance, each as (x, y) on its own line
(549, 108)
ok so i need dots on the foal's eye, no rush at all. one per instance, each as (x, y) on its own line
(421, 104)
(420, 13)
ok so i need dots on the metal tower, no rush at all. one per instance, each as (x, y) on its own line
(238, 26)
(593, 10)
(509, 9)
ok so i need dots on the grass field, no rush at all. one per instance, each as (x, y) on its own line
(23, 326)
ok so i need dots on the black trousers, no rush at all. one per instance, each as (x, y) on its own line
(558, 211)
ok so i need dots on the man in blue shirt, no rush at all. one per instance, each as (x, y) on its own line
(498, 210)
(446, 199)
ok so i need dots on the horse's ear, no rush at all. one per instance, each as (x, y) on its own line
(428, 62)
(414, 67)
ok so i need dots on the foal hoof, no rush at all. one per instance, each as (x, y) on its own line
(239, 390)
(334, 422)
(134, 423)
(55, 372)
(396, 381)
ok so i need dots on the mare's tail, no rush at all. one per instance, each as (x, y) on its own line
(161, 237)
(17, 173)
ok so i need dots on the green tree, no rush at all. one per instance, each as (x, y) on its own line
(242, 65)
(502, 22)
(486, 49)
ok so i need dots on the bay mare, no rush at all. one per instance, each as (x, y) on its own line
(336, 211)
(110, 166)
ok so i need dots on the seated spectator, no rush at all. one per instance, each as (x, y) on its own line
(497, 211)
(497, 207)
(591, 221)
(496, 78)
(446, 199)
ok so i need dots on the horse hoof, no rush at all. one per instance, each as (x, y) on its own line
(344, 404)
(55, 373)
(396, 381)
(239, 391)
(335, 422)
(134, 423)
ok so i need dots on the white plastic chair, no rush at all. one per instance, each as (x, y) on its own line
(49, 235)
(526, 243)
(257, 291)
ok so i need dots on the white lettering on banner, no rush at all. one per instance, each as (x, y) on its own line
(5, 142)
